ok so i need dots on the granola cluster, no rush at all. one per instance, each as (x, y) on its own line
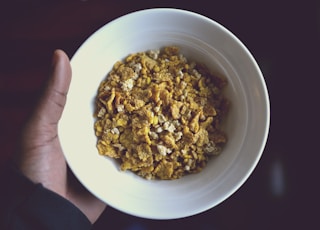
(160, 114)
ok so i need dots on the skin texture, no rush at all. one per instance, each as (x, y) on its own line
(40, 157)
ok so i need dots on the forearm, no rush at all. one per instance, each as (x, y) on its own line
(25, 205)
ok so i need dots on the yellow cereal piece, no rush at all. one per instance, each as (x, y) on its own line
(156, 69)
(175, 109)
(98, 129)
(155, 93)
(206, 123)
(110, 100)
(160, 114)
(142, 135)
(169, 140)
(155, 120)
(164, 170)
(194, 124)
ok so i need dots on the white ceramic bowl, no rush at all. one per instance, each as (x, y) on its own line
(247, 124)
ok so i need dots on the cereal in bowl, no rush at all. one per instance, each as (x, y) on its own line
(160, 115)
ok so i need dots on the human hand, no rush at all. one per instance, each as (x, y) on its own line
(41, 158)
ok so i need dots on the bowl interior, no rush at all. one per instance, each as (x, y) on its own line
(202, 40)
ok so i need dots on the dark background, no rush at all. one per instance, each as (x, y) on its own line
(283, 36)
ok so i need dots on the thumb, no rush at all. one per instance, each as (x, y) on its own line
(53, 101)
(41, 128)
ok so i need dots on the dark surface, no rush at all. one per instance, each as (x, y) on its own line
(283, 37)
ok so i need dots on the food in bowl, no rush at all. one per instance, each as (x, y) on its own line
(160, 114)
